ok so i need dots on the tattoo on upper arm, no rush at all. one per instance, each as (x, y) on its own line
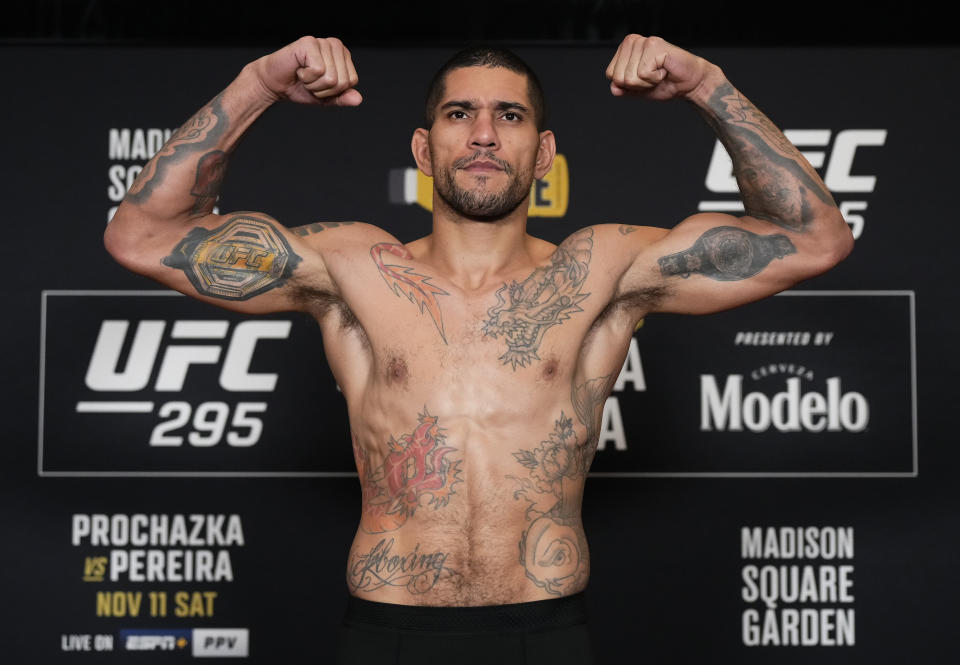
(415, 473)
(198, 134)
(547, 297)
(241, 259)
(403, 281)
(727, 253)
(317, 227)
(773, 177)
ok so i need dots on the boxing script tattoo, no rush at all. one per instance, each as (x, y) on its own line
(241, 259)
(416, 473)
(774, 178)
(525, 311)
(727, 253)
(198, 134)
(418, 571)
(553, 547)
(403, 281)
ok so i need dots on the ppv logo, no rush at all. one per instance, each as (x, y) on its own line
(221, 642)
(207, 423)
(786, 411)
(837, 174)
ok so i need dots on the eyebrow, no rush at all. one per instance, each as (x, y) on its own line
(470, 105)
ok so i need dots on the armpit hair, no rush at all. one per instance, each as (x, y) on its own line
(638, 301)
(322, 303)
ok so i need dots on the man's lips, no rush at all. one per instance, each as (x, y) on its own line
(482, 166)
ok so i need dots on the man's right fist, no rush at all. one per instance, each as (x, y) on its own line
(310, 71)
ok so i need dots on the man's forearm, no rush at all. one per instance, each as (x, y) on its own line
(776, 182)
(183, 179)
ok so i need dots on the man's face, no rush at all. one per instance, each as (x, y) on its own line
(483, 142)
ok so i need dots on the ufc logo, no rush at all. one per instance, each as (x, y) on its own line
(838, 176)
(103, 373)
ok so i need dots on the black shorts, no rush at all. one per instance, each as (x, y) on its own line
(545, 631)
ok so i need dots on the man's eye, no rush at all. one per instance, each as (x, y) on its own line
(511, 116)
(458, 114)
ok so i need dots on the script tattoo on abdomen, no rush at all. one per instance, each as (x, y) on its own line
(526, 310)
(418, 571)
(727, 253)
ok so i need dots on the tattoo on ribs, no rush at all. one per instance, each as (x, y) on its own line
(198, 134)
(553, 547)
(403, 281)
(317, 227)
(416, 473)
(241, 259)
(418, 571)
(773, 176)
(525, 311)
(727, 253)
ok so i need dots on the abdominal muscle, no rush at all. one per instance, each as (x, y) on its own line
(484, 522)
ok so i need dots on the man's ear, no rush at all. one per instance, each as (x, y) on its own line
(421, 151)
(545, 154)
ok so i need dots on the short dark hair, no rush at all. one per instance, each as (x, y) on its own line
(485, 55)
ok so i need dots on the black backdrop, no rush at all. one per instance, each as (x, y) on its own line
(672, 490)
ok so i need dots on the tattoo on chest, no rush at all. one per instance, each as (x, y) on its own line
(526, 310)
(418, 570)
(416, 473)
(403, 281)
(727, 253)
(241, 259)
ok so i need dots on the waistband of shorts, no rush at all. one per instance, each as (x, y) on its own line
(514, 617)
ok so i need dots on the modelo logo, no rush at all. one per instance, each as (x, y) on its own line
(205, 424)
(787, 411)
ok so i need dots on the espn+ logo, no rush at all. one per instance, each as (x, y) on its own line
(835, 165)
(168, 363)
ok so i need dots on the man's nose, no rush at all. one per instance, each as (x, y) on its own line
(484, 134)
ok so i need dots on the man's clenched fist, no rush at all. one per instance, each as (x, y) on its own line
(653, 68)
(311, 71)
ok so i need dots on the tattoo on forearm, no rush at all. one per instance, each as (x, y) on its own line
(200, 133)
(403, 281)
(317, 227)
(774, 178)
(525, 311)
(418, 571)
(416, 473)
(210, 172)
(626, 229)
(241, 259)
(727, 253)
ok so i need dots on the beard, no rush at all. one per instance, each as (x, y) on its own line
(480, 204)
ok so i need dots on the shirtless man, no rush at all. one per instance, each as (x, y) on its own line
(475, 361)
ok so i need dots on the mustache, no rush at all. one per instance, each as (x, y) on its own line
(483, 155)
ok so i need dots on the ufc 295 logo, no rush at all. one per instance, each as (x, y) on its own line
(162, 365)
(833, 156)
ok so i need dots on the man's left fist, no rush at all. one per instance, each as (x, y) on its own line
(653, 68)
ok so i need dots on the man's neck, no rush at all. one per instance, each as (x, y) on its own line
(473, 253)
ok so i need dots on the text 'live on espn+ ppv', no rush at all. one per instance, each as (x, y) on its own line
(759, 485)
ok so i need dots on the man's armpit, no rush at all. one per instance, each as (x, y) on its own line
(243, 258)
